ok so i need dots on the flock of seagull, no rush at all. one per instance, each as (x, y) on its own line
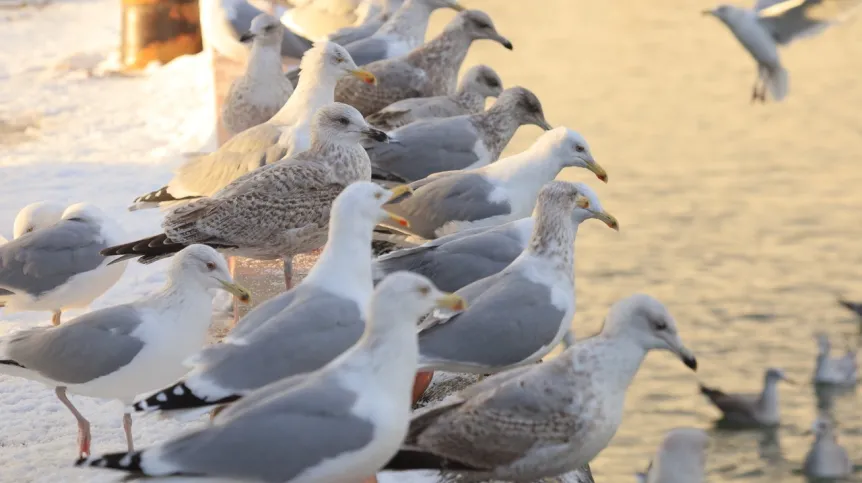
(367, 144)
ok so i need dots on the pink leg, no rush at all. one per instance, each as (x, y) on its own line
(288, 272)
(127, 428)
(55, 318)
(83, 424)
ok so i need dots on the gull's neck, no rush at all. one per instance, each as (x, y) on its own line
(408, 23)
(553, 239)
(264, 63)
(616, 356)
(184, 293)
(344, 267)
(768, 402)
(496, 126)
(469, 100)
(530, 169)
(314, 90)
(441, 59)
(349, 161)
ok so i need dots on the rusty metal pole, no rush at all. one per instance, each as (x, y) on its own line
(159, 30)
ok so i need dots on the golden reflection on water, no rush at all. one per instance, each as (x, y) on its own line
(745, 220)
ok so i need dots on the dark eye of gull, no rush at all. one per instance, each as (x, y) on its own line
(211, 266)
(269, 28)
(344, 121)
(579, 148)
(659, 325)
(492, 82)
(482, 24)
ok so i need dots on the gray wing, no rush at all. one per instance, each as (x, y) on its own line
(206, 175)
(498, 426)
(83, 349)
(407, 111)
(45, 259)
(396, 80)
(368, 50)
(734, 406)
(456, 197)
(348, 35)
(428, 147)
(509, 321)
(457, 260)
(261, 314)
(276, 439)
(791, 19)
(315, 329)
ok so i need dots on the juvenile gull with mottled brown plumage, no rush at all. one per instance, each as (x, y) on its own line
(277, 211)
(478, 83)
(541, 421)
(462, 142)
(430, 70)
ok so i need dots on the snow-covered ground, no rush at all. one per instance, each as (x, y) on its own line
(69, 136)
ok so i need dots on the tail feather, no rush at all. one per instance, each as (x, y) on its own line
(408, 459)
(178, 397)
(157, 198)
(777, 82)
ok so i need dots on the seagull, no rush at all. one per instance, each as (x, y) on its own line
(520, 314)
(478, 83)
(277, 211)
(429, 70)
(377, 15)
(504, 191)
(758, 410)
(471, 141)
(774, 23)
(454, 261)
(681, 458)
(840, 370)
(296, 332)
(261, 91)
(59, 267)
(36, 216)
(403, 32)
(286, 134)
(124, 350)
(342, 422)
(544, 420)
(826, 459)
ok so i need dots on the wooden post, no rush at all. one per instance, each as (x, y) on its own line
(159, 30)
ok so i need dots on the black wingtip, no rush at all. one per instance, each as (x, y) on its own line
(413, 459)
(128, 462)
(10, 362)
(178, 397)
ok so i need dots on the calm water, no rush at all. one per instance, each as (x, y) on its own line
(744, 220)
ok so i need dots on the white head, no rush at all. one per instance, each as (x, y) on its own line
(362, 202)
(328, 60)
(647, 322)
(409, 296)
(341, 124)
(571, 149)
(726, 13)
(478, 25)
(774, 375)
(264, 30)
(202, 265)
(594, 210)
(481, 80)
(36, 216)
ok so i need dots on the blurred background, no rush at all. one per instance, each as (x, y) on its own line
(744, 219)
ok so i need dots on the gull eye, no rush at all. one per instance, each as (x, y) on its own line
(482, 24)
(659, 325)
(579, 148)
(424, 290)
(378, 195)
(269, 28)
(211, 266)
(339, 59)
(29, 229)
(344, 121)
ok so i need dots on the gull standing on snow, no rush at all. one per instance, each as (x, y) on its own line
(478, 83)
(403, 32)
(59, 267)
(541, 421)
(841, 371)
(455, 261)
(275, 212)
(749, 409)
(429, 70)
(379, 12)
(681, 458)
(519, 315)
(299, 331)
(262, 90)
(286, 134)
(454, 143)
(826, 459)
(777, 22)
(341, 423)
(495, 194)
(121, 351)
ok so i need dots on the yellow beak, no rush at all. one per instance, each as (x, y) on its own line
(608, 218)
(399, 191)
(582, 201)
(598, 170)
(238, 290)
(452, 301)
(364, 76)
